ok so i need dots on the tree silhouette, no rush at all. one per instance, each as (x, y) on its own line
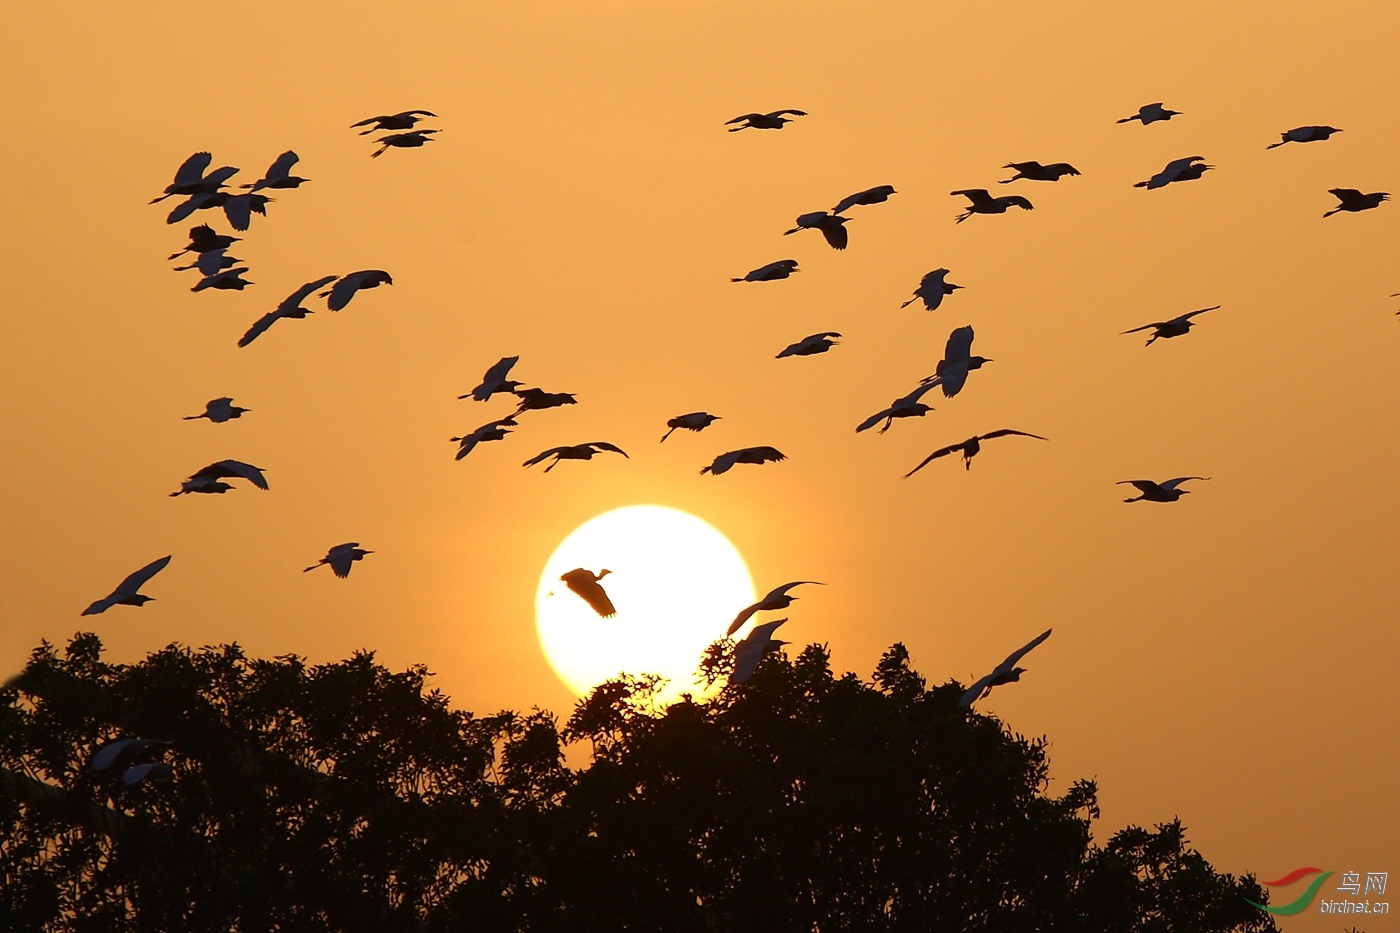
(345, 797)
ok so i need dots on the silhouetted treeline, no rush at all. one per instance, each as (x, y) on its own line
(346, 798)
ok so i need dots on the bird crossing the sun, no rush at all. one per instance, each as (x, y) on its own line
(589, 586)
(777, 598)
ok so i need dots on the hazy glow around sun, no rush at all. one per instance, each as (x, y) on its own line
(676, 582)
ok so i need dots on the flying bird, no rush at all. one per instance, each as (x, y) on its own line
(290, 307)
(539, 399)
(694, 421)
(590, 586)
(982, 202)
(200, 201)
(203, 239)
(1173, 328)
(413, 140)
(776, 599)
(832, 227)
(771, 272)
(394, 121)
(495, 380)
(211, 262)
(763, 121)
(341, 292)
(107, 755)
(968, 448)
(725, 461)
(210, 479)
(340, 558)
(190, 178)
(907, 406)
(1304, 134)
(219, 410)
(1034, 171)
(751, 650)
(1006, 673)
(957, 362)
(240, 208)
(279, 174)
(495, 431)
(1353, 200)
(1151, 113)
(128, 592)
(932, 288)
(877, 195)
(227, 280)
(816, 343)
(576, 452)
(1187, 169)
(1165, 491)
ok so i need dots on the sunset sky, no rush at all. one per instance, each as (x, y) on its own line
(1230, 658)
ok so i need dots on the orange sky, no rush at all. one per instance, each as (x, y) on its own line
(1229, 658)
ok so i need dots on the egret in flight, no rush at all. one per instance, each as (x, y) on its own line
(240, 208)
(539, 399)
(931, 290)
(576, 452)
(495, 431)
(1187, 169)
(771, 272)
(969, 448)
(128, 592)
(339, 294)
(289, 308)
(957, 362)
(1165, 491)
(1151, 113)
(211, 262)
(1006, 673)
(203, 239)
(877, 195)
(751, 650)
(816, 343)
(1174, 328)
(279, 174)
(831, 226)
(415, 139)
(1353, 200)
(694, 421)
(1034, 171)
(763, 121)
(107, 755)
(757, 455)
(589, 585)
(495, 380)
(210, 479)
(190, 178)
(227, 280)
(1304, 134)
(404, 120)
(907, 406)
(982, 202)
(776, 599)
(340, 558)
(219, 410)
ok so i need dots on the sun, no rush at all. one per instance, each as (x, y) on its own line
(675, 580)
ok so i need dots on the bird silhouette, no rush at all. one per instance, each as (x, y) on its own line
(982, 202)
(589, 585)
(763, 121)
(832, 227)
(694, 421)
(771, 272)
(1304, 134)
(404, 120)
(539, 399)
(777, 598)
(227, 280)
(209, 479)
(290, 307)
(110, 752)
(907, 406)
(576, 452)
(203, 239)
(1187, 169)
(751, 650)
(240, 208)
(340, 557)
(957, 362)
(757, 455)
(199, 201)
(1151, 113)
(1034, 171)
(495, 380)
(411, 140)
(339, 294)
(211, 262)
(494, 431)
(1005, 673)
(190, 178)
(219, 410)
(968, 448)
(128, 592)
(877, 195)
(1165, 491)
(807, 346)
(279, 174)
(932, 288)
(1353, 200)
(1174, 328)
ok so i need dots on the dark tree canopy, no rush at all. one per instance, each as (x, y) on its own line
(346, 798)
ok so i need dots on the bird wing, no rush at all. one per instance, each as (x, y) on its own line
(133, 583)
(721, 464)
(913, 397)
(1020, 653)
(107, 755)
(750, 651)
(498, 372)
(99, 606)
(210, 261)
(1344, 194)
(191, 171)
(783, 590)
(1143, 327)
(974, 693)
(418, 113)
(1015, 200)
(545, 455)
(186, 207)
(783, 113)
(155, 770)
(740, 619)
(836, 236)
(1005, 432)
(239, 211)
(341, 292)
(235, 468)
(586, 585)
(847, 202)
(283, 165)
(959, 346)
(1064, 168)
(873, 420)
(978, 196)
(763, 454)
(1190, 314)
(371, 120)
(1177, 481)
(340, 561)
(260, 325)
(742, 117)
(1143, 485)
(294, 300)
(941, 452)
(1176, 166)
(952, 378)
(604, 445)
